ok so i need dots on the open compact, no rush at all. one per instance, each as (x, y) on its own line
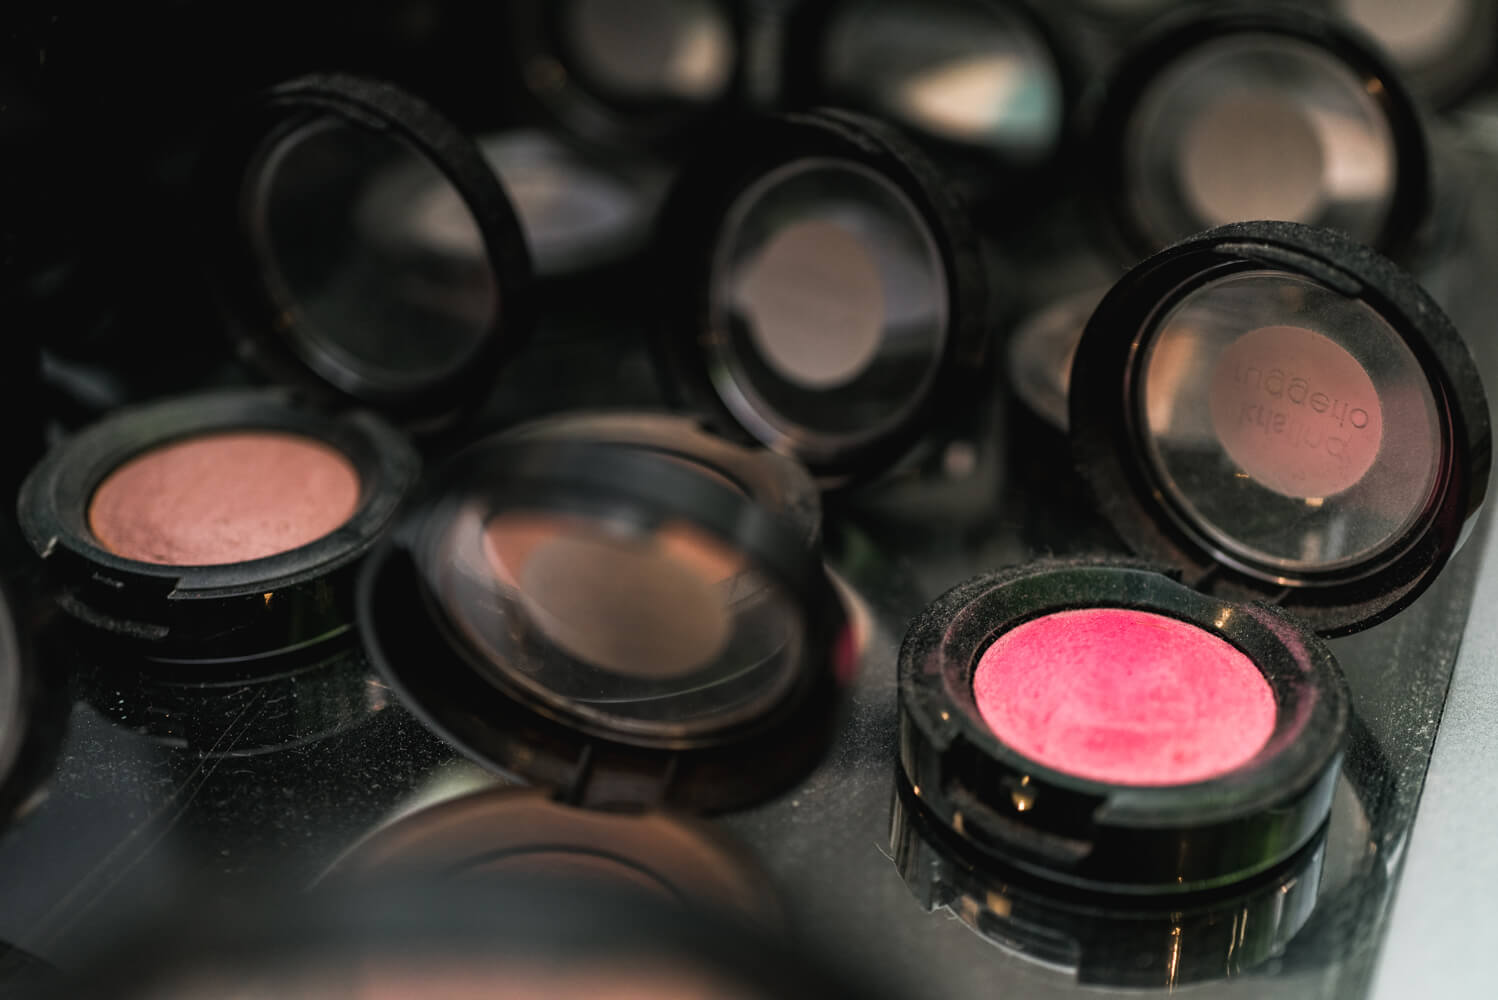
(610, 621)
(222, 527)
(627, 74)
(1227, 112)
(1294, 435)
(1444, 48)
(834, 299)
(985, 83)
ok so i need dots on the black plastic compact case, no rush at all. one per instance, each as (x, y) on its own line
(631, 616)
(202, 529)
(989, 87)
(1294, 435)
(1221, 113)
(830, 300)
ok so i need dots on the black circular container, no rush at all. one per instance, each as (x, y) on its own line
(833, 299)
(1232, 112)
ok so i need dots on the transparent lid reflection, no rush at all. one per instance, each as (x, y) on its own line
(395, 315)
(658, 629)
(1290, 425)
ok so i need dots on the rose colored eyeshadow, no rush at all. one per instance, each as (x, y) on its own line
(1126, 697)
(223, 498)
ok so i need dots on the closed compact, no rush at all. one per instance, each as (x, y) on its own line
(1229, 112)
(1294, 437)
(223, 526)
(832, 299)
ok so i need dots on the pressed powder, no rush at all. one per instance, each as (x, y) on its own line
(1122, 696)
(223, 498)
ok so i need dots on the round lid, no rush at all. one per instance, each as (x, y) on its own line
(629, 73)
(509, 831)
(1286, 416)
(610, 620)
(1229, 113)
(978, 75)
(833, 294)
(363, 247)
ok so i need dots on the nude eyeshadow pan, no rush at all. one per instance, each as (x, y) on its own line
(223, 498)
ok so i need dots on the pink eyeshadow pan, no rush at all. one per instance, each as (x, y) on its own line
(223, 498)
(1124, 697)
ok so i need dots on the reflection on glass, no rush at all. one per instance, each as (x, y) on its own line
(657, 629)
(1291, 425)
(970, 73)
(829, 307)
(1259, 127)
(388, 314)
(650, 50)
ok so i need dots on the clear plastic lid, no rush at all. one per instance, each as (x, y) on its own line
(1284, 415)
(1234, 112)
(1259, 126)
(633, 625)
(828, 307)
(1292, 424)
(978, 75)
(363, 245)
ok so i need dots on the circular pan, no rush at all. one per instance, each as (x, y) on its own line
(1112, 116)
(498, 937)
(528, 832)
(844, 445)
(987, 56)
(1125, 839)
(1107, 413)
(285, 188)
(216, 615)
(1122, 942)
(548, 65)
(774, 482)
(533, 693)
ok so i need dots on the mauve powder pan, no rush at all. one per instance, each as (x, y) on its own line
(1126, 697)
(223, 498)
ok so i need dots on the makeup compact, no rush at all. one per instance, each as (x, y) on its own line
(1293, 433)
(1444, 48)
(222, 527)
(612, 622)
(627, 74)
(1230, 112)
(987, 85)
(833, 300)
